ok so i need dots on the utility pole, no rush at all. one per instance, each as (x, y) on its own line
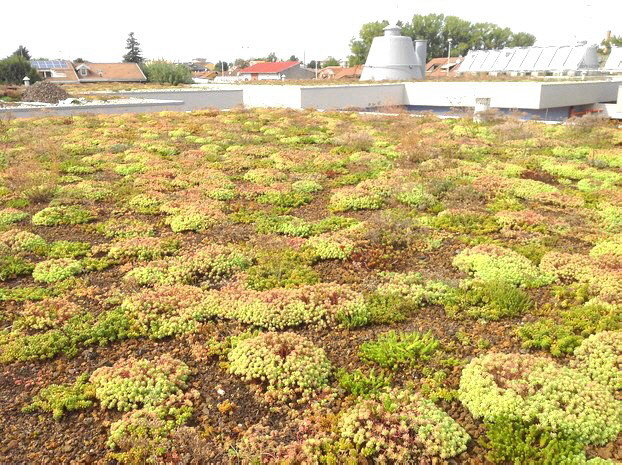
(449, 56)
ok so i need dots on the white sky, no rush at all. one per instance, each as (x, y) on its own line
(215, 29)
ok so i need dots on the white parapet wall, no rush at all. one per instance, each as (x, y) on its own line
(359, 96)
(271, 96)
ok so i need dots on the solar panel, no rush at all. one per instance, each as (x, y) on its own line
(49, 64)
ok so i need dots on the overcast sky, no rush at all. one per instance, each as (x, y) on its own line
(215, 29)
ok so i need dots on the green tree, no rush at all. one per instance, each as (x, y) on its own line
(330, 61)
(13, 69)
(169, 73)
(221, 65)
(360, 47)
(293, 58)
(613, 41)
(241, 63)
(271, 57)
(134, 54)
(437, 29)
(22, 52)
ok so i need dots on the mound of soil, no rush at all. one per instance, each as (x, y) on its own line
(44, 92)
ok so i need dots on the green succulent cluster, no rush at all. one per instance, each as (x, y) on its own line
(536, 390)
(333, 246)
(412, 287)
(124, 227)
(352, 198)
(209, 264)
(264, 176)
(417, 197)
(398, 426)
(611, 217)
(491, 263)
(85, 190)
(68, 249)
(307, 186)
(191, 219)
(488, 300)
(70, 214)
(23, 241)
(133, 383)
(291, 199)
(127, 169)
(287, 269)
(50, 271)
(600, 356)
(51, 312)
(11, 215)
(145, 204)
(322, 304)
(392, 349)
(61, 398)
(162, 311)
(143, 248)
(574, 325)
(288, 366)
(611, 247)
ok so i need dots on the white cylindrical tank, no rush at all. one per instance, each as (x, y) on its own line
(392, 57)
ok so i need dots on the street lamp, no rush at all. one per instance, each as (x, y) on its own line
(449, 55)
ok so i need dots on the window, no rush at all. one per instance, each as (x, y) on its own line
(84, 71)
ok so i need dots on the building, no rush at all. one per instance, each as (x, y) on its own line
(66, 72)
(438, 67)
(275, 70)
(567, 59)
(339, 72)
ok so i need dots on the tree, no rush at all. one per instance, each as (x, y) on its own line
(360, 47)
(14, 68)
(134, 54)
(241, 63)
(613, 41)
(331, 61)
(271, 57)
(293, 58)
(22, 52)
(437, 29)
(78, 60)
(169, 73)
(221, 65)
(313, 64)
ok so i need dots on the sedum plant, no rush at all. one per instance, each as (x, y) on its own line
(492, 263)
(289, 366)
(50, 271)
(143, 248)
(392, 349)
(399, 427)
(538, 391)
(322, 304)
(162, 311)
(62, 398)
(53, 216)
(23, 241)
(133, 383)
(600, 357)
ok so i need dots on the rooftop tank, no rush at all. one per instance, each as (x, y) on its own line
(394, 57)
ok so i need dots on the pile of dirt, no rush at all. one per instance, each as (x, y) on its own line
(44, 92)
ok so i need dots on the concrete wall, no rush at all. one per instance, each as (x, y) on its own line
(271, 96)
(360, 96)
(111, 109)
(463, 94)
(194, 99)
(577, 93)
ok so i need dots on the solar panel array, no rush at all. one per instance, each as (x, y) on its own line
(531, 59)
(49, 64)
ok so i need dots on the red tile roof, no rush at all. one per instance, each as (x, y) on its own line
(269, 68)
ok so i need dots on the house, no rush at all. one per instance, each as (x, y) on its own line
(339, 72)
(109, 72)
(66, 72)
(439, 66)
(276, 70)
